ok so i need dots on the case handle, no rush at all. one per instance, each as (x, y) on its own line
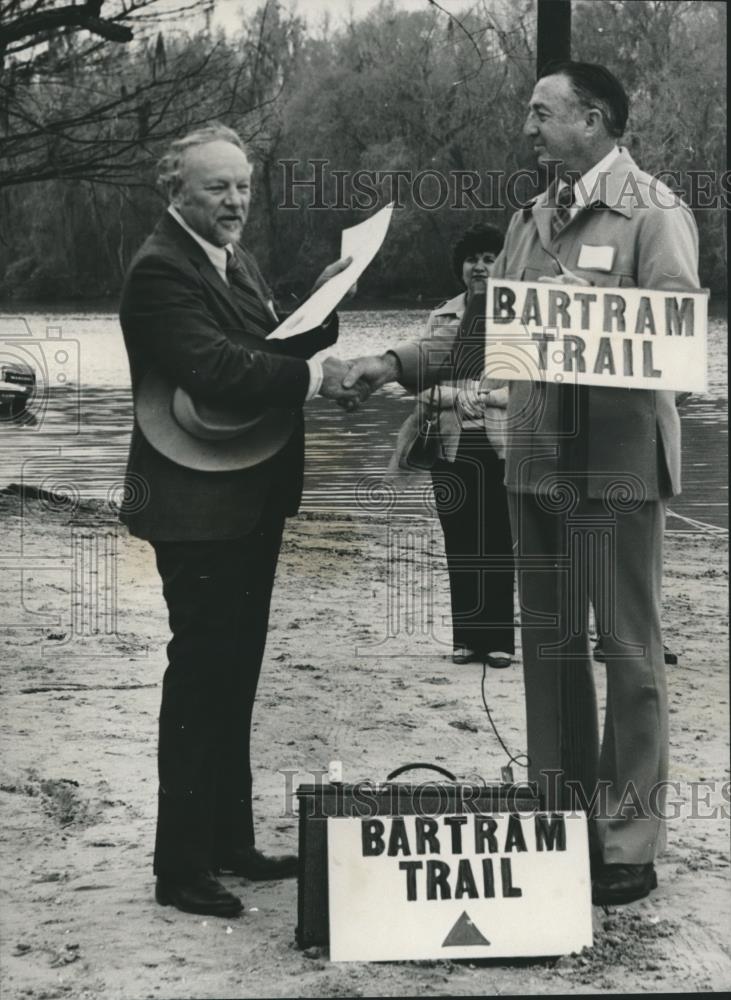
(412, 767)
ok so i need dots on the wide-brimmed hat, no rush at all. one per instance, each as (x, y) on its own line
(201, 437)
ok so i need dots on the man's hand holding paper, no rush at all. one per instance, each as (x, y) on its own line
(330, 271)
(360, 243)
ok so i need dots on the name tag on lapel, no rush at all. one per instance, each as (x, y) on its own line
(596, 258)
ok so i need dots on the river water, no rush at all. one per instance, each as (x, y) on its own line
(79, 443)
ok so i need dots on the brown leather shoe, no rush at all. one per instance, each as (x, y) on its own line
(257, 867)
(615, 885)
(200, 892)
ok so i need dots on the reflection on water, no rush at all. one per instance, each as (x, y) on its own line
(346, 461)
(82, 434)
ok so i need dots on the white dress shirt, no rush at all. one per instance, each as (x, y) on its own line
(218, 256)
(584, 187)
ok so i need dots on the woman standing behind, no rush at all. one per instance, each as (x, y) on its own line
(468, 480)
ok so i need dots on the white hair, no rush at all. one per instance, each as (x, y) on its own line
(168, 169)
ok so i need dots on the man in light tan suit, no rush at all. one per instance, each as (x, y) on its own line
(589, 471)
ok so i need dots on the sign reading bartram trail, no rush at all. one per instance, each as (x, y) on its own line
(462, 886)
(617, 337)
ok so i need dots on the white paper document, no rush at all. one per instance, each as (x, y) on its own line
(362, 243)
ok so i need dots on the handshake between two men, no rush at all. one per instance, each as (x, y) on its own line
(351, 382)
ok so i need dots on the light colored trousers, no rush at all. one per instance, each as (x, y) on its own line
(571, 551)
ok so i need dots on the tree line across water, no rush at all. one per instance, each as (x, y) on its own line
(425, 106)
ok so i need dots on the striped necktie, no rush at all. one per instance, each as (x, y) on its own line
(562, 213)
(260, 320)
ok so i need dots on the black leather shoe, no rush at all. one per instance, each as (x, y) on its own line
(618, 884)
(197, 893)
(463, 654)
(499, 660)
(596, 865)
(257, 867)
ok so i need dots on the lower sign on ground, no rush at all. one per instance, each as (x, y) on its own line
(466, 886)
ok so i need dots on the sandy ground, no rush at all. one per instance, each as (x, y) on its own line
(78, 779)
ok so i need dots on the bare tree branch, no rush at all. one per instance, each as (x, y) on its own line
(72, 16)
(85, 110)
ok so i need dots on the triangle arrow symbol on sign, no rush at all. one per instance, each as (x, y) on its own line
(464, 933)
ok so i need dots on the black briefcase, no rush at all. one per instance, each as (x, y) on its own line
(319, 802)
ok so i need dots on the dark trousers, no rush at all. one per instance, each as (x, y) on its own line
(473, 508)
(218, 595)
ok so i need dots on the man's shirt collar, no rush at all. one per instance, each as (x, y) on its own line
(588, 188)
(608, 184)
(218, 256)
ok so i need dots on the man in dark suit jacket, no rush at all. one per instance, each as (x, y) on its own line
(195, 314)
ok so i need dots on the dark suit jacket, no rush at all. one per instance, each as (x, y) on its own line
(178, 316)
